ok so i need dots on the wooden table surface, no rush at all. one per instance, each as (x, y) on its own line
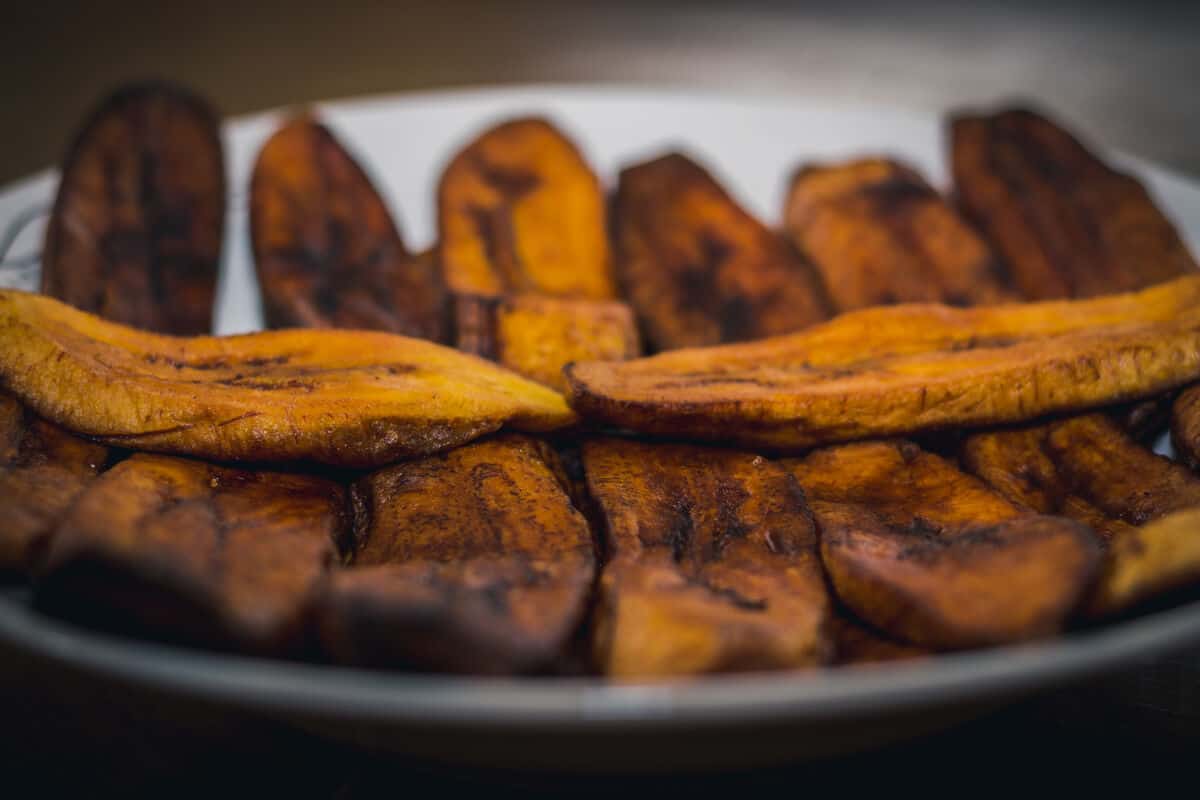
(1123, 73)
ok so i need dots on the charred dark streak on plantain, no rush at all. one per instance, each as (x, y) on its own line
(495, 224)
(480, 475)
(729, 496)
(731, 595)
(680, 529)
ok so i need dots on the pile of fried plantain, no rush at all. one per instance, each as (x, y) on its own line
(135, 234)
(471, 561)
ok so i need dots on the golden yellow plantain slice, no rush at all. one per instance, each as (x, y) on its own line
(536, 335)
(1088, 469)
(42, 470)
(327, 251)
(932, 556)
(712, 563)
(192, 552)
(903, 369)
(519, 210)
(347, 398)
(1066, 223)
(878, 234)
(697, 268)
(135, 235)
(471, 561)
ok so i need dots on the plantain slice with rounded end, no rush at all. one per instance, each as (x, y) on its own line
(1089, 469)
(135, 234)
(347, 398)
(985, 585)
(536, 336)
(192, 552)
(697, 268)
(327, 250)
(42, 470)
(903, 369)
(519, 210)
(878, 234)
(1066, 223)
(471, 561)
(712, 563)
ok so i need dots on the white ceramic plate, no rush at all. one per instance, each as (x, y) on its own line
(752, 146)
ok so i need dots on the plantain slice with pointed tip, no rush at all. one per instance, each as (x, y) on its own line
(878, 234)
(346, 398)
(520, 211)
(931, 556)
(697, 268)
(1066, 223)
(471, 561)
(712, 563)
(42, 470)
(536, 336)
(1089, 469)
(327, 250)
(135, 234)
(902, 369)
(191, 552)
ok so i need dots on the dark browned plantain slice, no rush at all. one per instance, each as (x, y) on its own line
(327, 250)
(878, 234)
(519, 210)
(536, 335)
(135, 235)
(1185, 426)
(857, 643)
(42, 469)
(1088, 469)
(697, 268)
(1066, 223)
(472, 561)
(712, 563)
(903, 369)
(932, 556)
(346, 398)
(188, 551)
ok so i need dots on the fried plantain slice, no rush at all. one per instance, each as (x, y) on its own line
(327, 250)
(878, 234)
(984, 585)
(898, 524)
(697, 268)
(536, 336)
(712, 562)
(42, 470)
(495, 581)
(192, 552)
(347, 398)
(1185, 426)
(902, 369)
(1066, 223)
(857, 643)
(135, 234)
(519, 210)
(1088, 469)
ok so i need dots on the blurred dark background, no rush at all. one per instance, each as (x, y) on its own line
(1124, 73)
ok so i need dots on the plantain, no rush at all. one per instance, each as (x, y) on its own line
(1089, 469)
(537, 335)
(42, 469)
(327, 251)
(903, 369)
(712, 563)
(470, 561)
(857, 643)
(135, 234)
(346, 398)
(520, 211)
(878, 235)
(1066, 223)
(933, 557)
(191, 552)
(697, 268)
(1185, 426)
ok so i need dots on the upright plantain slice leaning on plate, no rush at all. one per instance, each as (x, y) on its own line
(455, 459)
